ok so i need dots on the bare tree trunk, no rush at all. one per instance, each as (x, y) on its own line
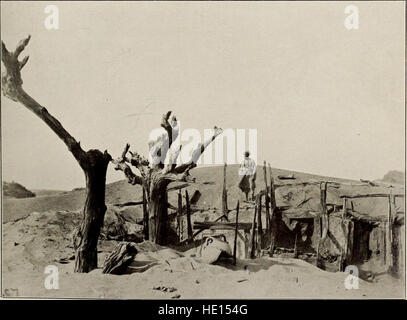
(93, 162)
(158, 215)
(86, 239)
(156, 177)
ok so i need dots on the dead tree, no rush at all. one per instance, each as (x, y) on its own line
(157, 175)
(93, 162)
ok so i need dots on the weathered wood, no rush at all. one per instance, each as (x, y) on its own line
(224, 193)
(156, 176)
(189, 225)
(179, 217)
(266, 199)
(128, 204)
(272, 190)
(259, 223)
(145, 215)
(372, 195)
(236, 232)
(93, 162)
(253, 235)
(268, 218)
(201, 228)
(87, 235)
(273, 221)
(389, 231)
(120, 258)
(259, 199)
(220, 225)
(323, 220)
(345, 231)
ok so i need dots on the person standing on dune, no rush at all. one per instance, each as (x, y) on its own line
(247, 171)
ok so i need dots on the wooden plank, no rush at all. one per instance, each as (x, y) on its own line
(128, 204)
(207, 225)
(372, 195)
(204, 228)
(236, 232)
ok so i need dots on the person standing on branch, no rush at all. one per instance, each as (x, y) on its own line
(247, 171)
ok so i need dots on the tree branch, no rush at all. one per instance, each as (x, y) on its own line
(120, 164)
(12, 88)
(140, 162)
(171, 128)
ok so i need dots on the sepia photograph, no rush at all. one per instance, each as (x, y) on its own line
(177, 150)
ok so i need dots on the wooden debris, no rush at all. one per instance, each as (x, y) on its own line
(120, 258)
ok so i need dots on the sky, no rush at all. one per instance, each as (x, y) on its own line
(324, 99)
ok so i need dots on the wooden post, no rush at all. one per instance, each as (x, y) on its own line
(267, 198)
(396, 238)
(224, 194)
(259, 222)
(259, 244)
(189, 224)
(145, 215)
(253, 235)
(180, 216)
(389, 235)
(345, 229)
(323, 219)
(273, 221)
(236, 231)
